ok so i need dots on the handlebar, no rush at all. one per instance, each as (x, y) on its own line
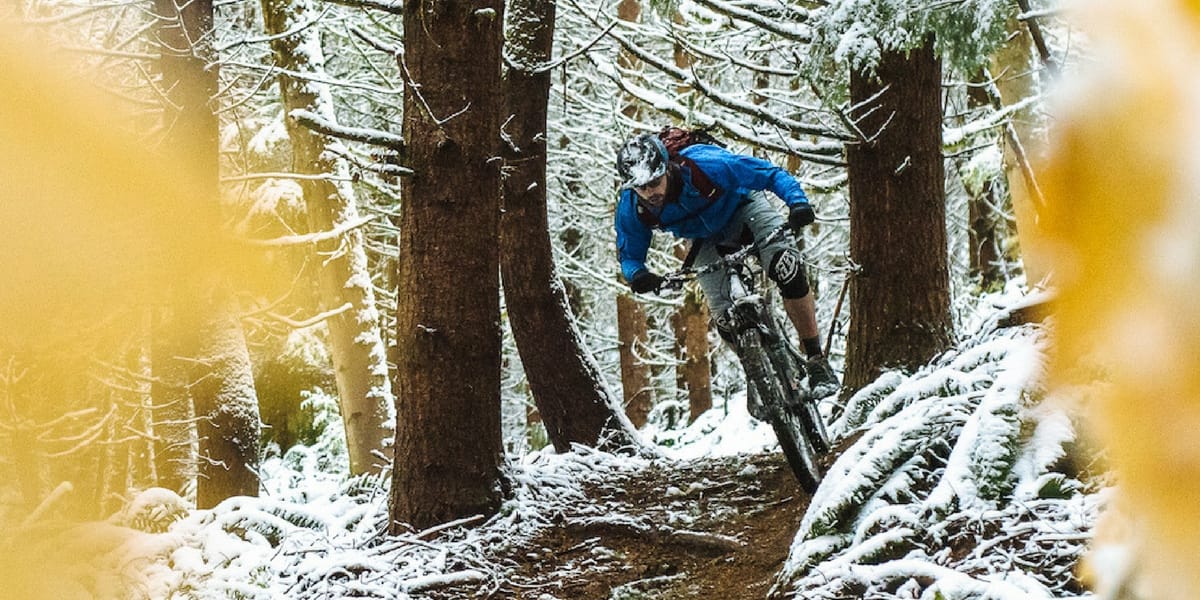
(674, 280)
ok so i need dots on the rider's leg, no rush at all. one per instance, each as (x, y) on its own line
(716, 283)
(786, 270)
(802, 312)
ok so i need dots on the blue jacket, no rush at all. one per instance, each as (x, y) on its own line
(694, 217)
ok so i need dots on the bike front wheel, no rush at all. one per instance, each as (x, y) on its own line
(799, 452)
(789, 428)
(787, 362)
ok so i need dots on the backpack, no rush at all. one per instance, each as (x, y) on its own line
(676, 139)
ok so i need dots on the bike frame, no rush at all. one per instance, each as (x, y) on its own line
(772, 366)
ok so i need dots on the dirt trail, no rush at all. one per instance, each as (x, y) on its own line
(710, 528)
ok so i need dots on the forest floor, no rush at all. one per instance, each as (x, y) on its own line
(706, 528)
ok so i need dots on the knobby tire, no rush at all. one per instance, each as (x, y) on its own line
(814, 426)
(788, 426)
(787, 363)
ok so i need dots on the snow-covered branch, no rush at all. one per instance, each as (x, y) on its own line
(770, 17)
(309, 238)
(395, 7)
(709, 91)
(374, 137)
(826, 153)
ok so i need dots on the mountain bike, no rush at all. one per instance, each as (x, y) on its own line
(773, 366)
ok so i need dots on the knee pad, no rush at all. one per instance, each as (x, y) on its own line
(788, 272)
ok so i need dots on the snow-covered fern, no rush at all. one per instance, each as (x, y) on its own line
(953, 464)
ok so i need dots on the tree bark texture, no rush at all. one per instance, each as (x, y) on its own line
(222, 383)
(355, 341)
(574, 404)
(900, 300)
(637, 393)
(189, 83)
(448, 440)
(693, 375)
(173, 415)
(227, 410)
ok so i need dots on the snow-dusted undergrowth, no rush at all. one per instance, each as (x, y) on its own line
(325, 537)
(948, 492)
(951, 490)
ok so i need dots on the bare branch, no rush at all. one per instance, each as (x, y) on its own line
(563, 60)
(394, 7)
(284, 175)
(434, 582)
(1035, 31)
(826, 154)
(313, 320)
(59, 492)
(308, 77)
(297, 28)
(740, 106)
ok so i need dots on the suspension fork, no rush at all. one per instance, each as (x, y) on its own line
(750, 310)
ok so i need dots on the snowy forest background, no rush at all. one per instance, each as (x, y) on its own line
(175, 371)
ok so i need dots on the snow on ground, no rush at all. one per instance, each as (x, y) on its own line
(721, 431)
(956, 487)
(949, 490)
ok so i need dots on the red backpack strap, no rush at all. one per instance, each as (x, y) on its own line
(708, 190)
(676, 139)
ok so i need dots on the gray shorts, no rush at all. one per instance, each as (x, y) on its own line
(762, 220)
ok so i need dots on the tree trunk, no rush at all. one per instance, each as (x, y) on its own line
(693, 375)
(636, 392)
(981, 238)
(227, 407)
(448, 434)
(356, 346)
(638, 395)
(222, 381)
(1016, 75)
(572, 400)
(174, 425)
(986, 222)
(629, 11)
(900, 301)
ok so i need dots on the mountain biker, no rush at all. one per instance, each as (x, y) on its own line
(717, 201)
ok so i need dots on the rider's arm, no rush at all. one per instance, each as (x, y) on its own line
(633, 237)
(752, 173)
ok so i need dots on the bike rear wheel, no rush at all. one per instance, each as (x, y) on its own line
(788, 363)
(788, 425)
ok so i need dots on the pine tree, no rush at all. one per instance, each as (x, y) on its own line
(448, 440)
(574, 403)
